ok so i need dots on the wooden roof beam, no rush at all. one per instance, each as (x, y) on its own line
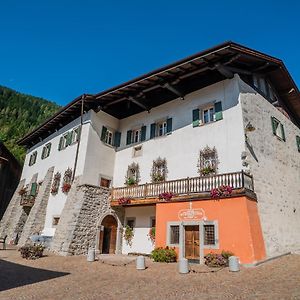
(131, 99)
(174, 90)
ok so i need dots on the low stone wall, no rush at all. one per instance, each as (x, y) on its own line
(77, 228)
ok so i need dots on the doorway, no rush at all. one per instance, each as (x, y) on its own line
(192, 243)
(108, 235)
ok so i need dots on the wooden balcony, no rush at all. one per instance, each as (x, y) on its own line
(184, 189)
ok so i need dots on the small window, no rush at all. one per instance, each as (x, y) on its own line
(174, 234)
(161, 128)
(55, 221)
(75, 135)
(298, 142)
(137, 151)
(208, 115)
(278, 128)
(104, 182)
(152, 222)
(46, 150)
(136, 136)
(108, 137)
(130, 222)
(209, 235)
(32, 158)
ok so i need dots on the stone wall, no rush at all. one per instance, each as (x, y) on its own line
(36, 219)
(275, 166)
(77, 228)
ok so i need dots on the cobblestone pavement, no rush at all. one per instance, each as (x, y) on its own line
(56, 277)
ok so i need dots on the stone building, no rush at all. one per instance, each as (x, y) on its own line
(202, 155)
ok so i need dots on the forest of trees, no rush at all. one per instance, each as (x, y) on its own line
(20, 114)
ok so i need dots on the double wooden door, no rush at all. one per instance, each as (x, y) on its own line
(192, 242)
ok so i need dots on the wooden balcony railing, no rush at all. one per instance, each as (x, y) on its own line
(185, 186)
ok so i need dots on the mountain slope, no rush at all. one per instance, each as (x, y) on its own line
(19, 114)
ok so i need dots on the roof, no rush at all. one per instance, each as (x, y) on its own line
(6, 156)
(176, 80)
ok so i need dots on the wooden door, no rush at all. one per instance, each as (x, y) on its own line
(192, 242)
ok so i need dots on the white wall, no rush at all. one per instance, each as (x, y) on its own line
(181, 148)
(141, 242)
(61, 160)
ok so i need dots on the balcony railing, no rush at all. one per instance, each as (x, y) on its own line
(185, 186)
(27, 200)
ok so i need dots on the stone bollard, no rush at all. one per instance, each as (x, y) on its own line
(91, 254)
(234, 265)
(183, 266)
(140, 263)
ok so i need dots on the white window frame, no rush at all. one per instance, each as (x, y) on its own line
(211, 118)
(109, 137)
(136, 135)
(161, 127)
(47, 151)
(75, 135)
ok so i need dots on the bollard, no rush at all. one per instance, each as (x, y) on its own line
(91, 254)
(183, 266)
(234, 265)
(140, 263)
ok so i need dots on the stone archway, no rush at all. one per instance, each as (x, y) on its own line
(108, 234)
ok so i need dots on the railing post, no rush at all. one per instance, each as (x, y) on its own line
(243, 179)
(188, 185)
(145, 190)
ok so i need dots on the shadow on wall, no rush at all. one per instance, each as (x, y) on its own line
(15, 275)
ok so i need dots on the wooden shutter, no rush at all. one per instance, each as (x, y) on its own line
(218, 111)
(117, 139)
(61, 142)
(33, 189)
(30, 159)
(169, 125)
(49, 149)
(282, 132)
(43, 152)
(103, 133)
(152, 130)
(274, 123)
(34, 157)
(196, 117)
(69, 138)
(128, 138)
(298, 142)
(143, 133)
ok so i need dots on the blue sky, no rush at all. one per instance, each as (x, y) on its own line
(59, 50)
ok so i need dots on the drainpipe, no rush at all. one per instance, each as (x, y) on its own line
(79, 138)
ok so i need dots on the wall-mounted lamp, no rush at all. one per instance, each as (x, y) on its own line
(249, 127)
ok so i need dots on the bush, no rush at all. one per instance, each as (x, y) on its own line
(167, 255)
(218, 260)
(32, 251)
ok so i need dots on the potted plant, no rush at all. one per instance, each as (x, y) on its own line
(128, 235)
(166, 196)
(124, 200)
(221, 191)
(66, 187)
(208, 171)
(130, 181)
(151, 234)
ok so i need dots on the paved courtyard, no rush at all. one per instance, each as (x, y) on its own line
(56, 277)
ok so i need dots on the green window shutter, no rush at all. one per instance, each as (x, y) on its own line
(298, 142)
(169, 125)
(103, 133)
(60, 144)
(33, 189)
(196, 117)
(78, 133)
(273, 120)
(34, 157)
(30, 160)
(218, 111)
(117, 139)
(128, 138)
(282, 132)
(152, 130)
(69, 138)
(143, 133)
(49, 149)
(43, 152)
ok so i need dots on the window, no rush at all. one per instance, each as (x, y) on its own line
(265, 88)
(46, 150)
(75, 135)
(159, 170)
(207, 114)
(69, 138)
(110, 137)
(161, 128)
(133, 174)
(55, 221)
(298, 142)
(104, 182)
(130, 222)
(136, 135)
(174, 234)
(278, 128)
(152, 222)
(137, 151)
(209, 235)
(208, 161)
(32, 158)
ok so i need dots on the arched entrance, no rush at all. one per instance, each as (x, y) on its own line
(108, 235)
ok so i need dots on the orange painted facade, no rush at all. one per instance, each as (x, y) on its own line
(239, 228)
